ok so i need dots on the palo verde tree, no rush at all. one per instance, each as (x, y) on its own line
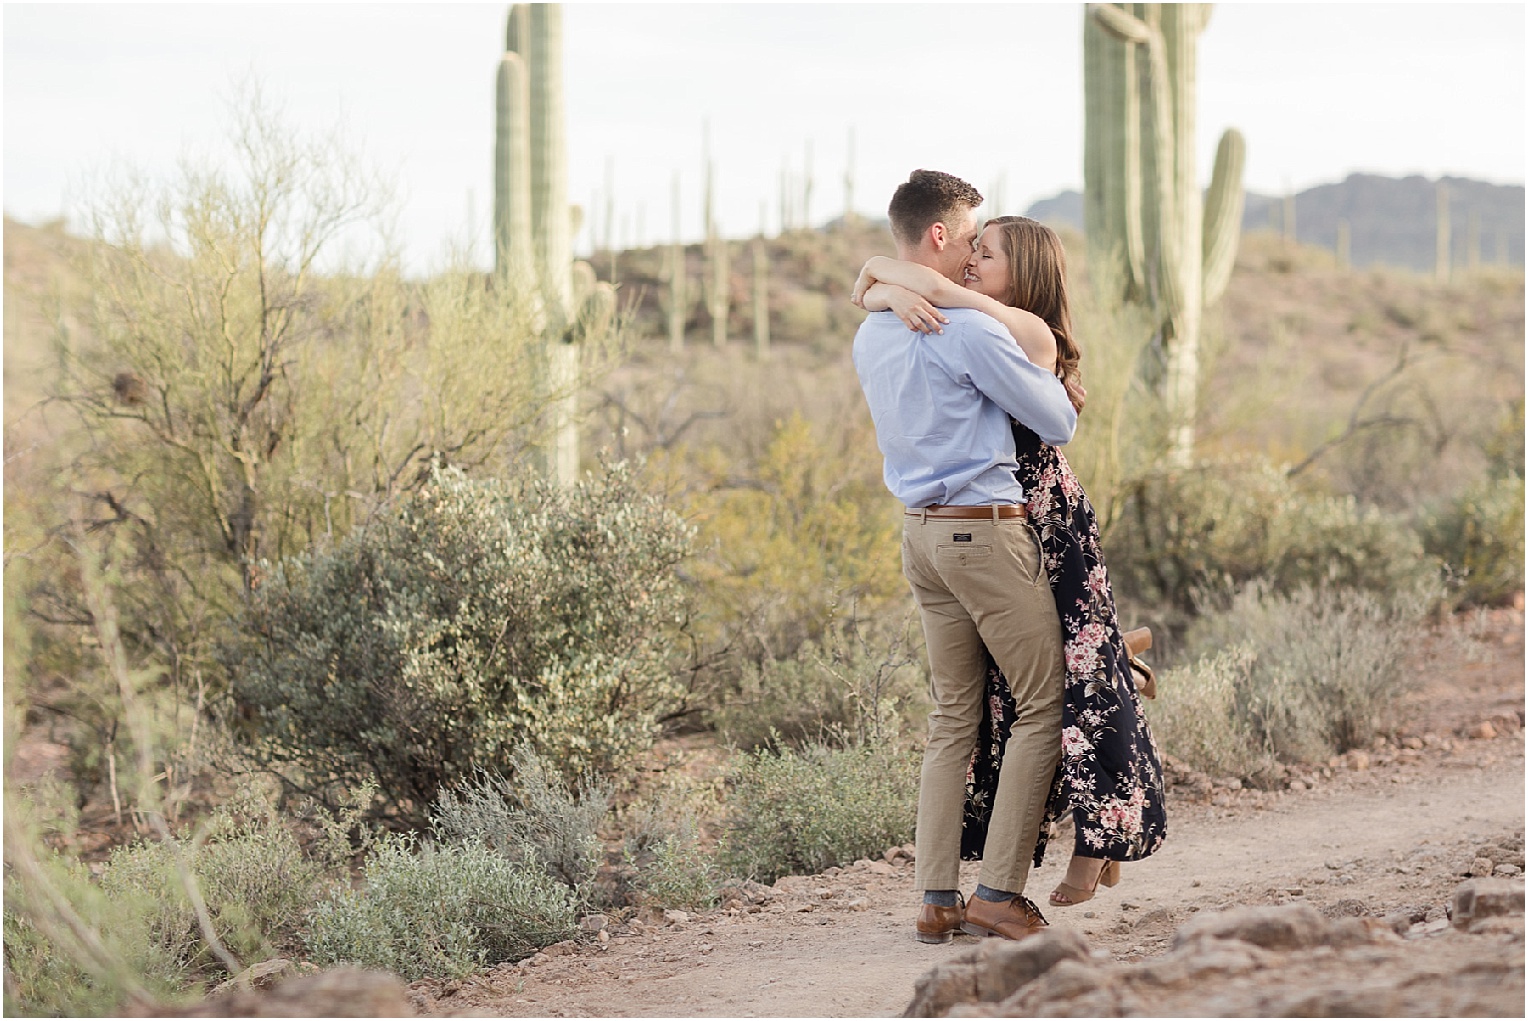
(253, 375)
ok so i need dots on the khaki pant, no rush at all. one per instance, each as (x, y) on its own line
(982, 582)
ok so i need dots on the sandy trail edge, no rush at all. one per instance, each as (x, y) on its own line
(851, 953)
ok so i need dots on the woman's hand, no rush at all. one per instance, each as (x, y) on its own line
(912, 308)
(864, 283)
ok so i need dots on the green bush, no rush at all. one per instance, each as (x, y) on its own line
(1479, 535)
(471, 617)
(46, 975)
(676, 872)
(1198, 718)
(799, 812)
(440, 912)
(534, 819)
(249, 869)
(863, 684)
(1221, 526)
(1295, 677)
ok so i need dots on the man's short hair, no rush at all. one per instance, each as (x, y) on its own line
(928, 197)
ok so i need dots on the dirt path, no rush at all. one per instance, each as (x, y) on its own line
(1397, 832)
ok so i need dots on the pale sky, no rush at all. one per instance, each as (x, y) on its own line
(992, 92)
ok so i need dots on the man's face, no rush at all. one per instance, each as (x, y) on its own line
(960, 235)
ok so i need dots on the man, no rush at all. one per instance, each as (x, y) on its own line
(941, 405)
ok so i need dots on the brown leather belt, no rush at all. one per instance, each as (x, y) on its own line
(994, 511)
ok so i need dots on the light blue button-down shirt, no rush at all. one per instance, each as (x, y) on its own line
(941, 405)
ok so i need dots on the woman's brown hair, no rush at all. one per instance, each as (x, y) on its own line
(1037, 283)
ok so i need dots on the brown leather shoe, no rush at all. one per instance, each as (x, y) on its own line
(937, 924)
(1010, 919)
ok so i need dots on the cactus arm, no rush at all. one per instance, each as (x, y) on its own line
(514, 257)
(1223, 214)
(1120, 23)
(549, 158)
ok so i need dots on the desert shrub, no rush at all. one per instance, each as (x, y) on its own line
(250, 870)
(535, 819)
(439, 911)
(1198, 719)
(248, 372)
(474, 616)
(676, 872)
(1479, 535)
(801, 811)
(669, 863)
(803, 539)
(1294, 676)
(1228, 524)
(47, 972)
(862, 678)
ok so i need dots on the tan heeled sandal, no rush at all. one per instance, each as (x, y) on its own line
(1072, 895)
(1137, 642)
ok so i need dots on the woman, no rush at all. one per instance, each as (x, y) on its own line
(1110, 775)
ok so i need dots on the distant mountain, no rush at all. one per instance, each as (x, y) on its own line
(1392, 221)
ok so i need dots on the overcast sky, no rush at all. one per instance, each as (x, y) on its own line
(992, 92)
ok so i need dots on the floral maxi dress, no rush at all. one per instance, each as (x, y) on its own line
(1110, 774)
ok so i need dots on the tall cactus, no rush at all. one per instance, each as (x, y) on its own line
(1445, 234)
(674, 274)
(717, 281)
(760, 292)
(533, 222)
(1143, 205)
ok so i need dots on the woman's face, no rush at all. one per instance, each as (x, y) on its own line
(987, 268)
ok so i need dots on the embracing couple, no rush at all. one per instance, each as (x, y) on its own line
(970, 370)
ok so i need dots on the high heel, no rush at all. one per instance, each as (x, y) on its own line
(1071, 895)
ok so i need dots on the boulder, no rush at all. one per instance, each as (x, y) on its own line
(992, 970)
(1481, 899)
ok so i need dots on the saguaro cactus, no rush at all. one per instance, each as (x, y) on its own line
(760, 295)
(1143, 205)
(1445, 233)
(674, 273)
(533, 222)
(717, 281)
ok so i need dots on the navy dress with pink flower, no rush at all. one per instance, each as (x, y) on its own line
(1110, 776)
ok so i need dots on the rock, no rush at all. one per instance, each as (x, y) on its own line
(341, 992)
(992, 970)
(1358, 759)
(1413, 742)
(1286, 927)
(1481, 899)
(673, 917)
(1482, 867)
(1349, 907)
(1506, 868)
(880, 868)
(257, 976)
(1483, 731)
(1297, 785)
(1306, 966)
